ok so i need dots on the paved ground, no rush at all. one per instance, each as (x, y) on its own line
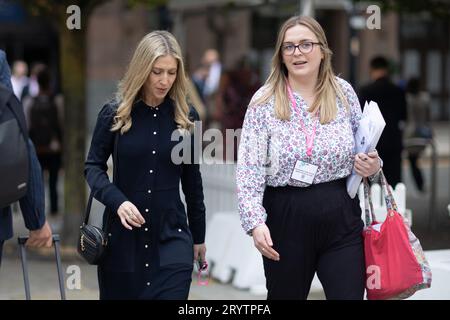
(44, 282)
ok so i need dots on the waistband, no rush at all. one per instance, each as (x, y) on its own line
(339, 184)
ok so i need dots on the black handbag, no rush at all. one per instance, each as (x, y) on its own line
(93, 240)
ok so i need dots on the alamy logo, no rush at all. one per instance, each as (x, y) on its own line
(262, 150)
(74, 20)
(373, 277)
(73, 281)
(374, 20)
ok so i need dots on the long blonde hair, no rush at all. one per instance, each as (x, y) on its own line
(154, 45)
(327, 87)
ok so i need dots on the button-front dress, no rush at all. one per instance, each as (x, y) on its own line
(154, 261)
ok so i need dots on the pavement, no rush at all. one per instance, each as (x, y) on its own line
(442, 139)
(437, 237)
(43, 275)
(81, 281)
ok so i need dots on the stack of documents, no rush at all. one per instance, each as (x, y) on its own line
(366, 138)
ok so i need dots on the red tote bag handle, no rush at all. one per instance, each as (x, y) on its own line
(388, 198)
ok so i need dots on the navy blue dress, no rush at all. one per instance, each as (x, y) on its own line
(156, 260)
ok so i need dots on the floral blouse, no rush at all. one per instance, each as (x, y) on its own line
(269, 148)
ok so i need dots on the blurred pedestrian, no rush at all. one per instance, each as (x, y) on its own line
(236, 89)
(296, 151)
(418, 126)
(151, 246)
(195, 99)
(32, 204)
(207, 80)
(33, 86)
(211, 59)
(199, 79)
(392, 103)
(46, 133)
(19, 79)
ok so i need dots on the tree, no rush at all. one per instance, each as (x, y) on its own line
(73, 71)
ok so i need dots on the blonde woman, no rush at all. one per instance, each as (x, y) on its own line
(151, 247)
(295, 152)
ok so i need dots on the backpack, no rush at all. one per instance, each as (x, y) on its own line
(44, 125)
(14, 156)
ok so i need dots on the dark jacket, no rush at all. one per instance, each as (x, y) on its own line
(5, 73)
(149, 179)
(392, 102)
(32, 204)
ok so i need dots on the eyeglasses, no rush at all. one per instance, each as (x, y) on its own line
(304, 47)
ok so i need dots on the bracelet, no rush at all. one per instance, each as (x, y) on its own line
(375, 175)
(381, 162)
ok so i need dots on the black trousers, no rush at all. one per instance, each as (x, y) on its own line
(52, 163)
(417, 173)
(315, 229)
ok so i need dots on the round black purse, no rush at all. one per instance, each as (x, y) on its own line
(92, 241)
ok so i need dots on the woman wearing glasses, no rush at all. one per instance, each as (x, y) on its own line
(295, 153)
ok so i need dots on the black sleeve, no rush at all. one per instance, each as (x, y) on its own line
(5, 72)
(95, 167)
(191, 182)
(32, 204)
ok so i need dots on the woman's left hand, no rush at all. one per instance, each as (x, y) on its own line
(199, 252)
(367, 164)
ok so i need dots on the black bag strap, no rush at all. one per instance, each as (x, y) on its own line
(115, 177)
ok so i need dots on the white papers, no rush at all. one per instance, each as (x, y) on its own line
(366, 138)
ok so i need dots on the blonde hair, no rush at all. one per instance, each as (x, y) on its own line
(327, 87)
(154, 45)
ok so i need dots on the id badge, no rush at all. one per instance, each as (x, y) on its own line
(304, 172)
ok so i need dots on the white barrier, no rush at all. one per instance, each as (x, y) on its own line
(379, 204)
(232, 253)
(219, 187)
